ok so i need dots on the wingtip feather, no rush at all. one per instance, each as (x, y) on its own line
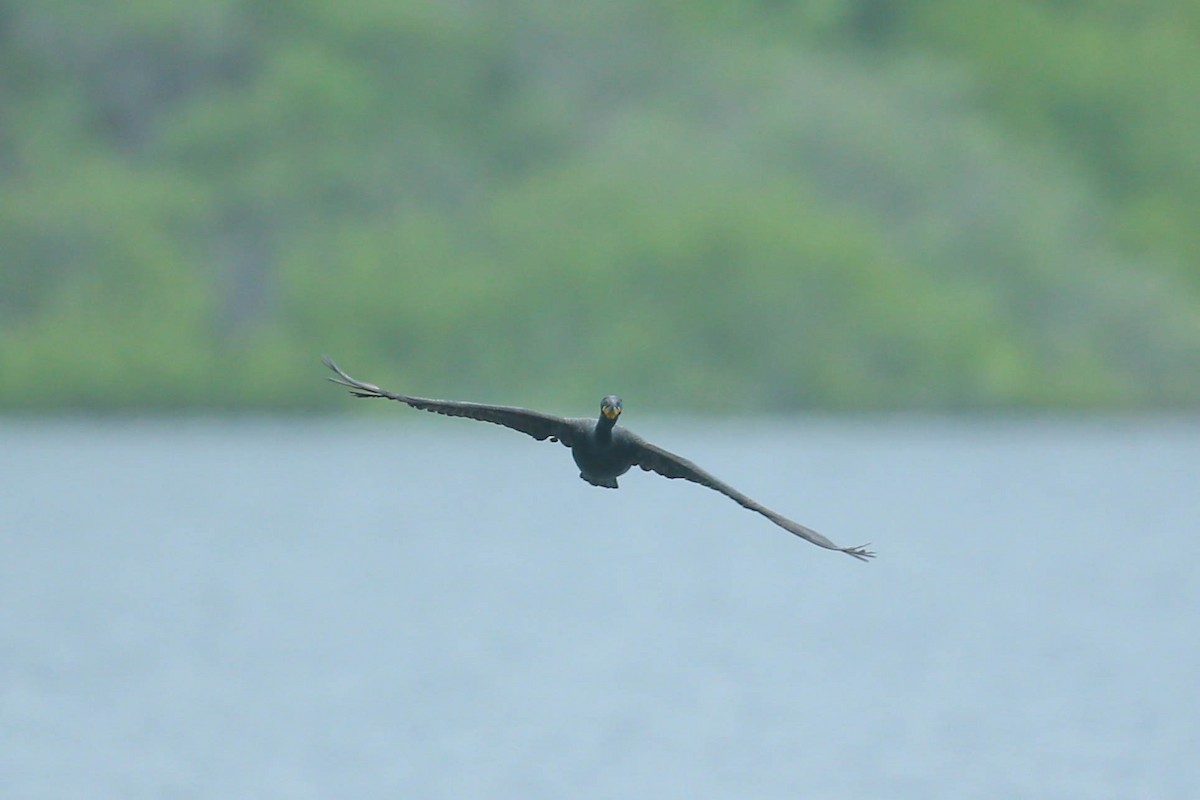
(861, 552)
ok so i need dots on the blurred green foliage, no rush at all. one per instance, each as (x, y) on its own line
(844, 204)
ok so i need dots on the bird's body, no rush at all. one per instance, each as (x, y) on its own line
(602, 456)
(602, 450)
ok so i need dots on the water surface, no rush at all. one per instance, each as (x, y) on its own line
(435, 609)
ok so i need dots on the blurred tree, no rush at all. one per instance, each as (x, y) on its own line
(748, 204)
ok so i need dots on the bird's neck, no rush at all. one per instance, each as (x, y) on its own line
(604, 427)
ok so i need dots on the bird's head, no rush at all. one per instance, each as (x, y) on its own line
(610, 407)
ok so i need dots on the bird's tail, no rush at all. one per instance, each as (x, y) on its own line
(606, 483)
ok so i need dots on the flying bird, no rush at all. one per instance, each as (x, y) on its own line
(602, 449)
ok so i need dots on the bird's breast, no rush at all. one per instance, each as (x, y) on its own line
(601, 459)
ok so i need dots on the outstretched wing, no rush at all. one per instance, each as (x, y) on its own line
(539, 426)
(655, 459)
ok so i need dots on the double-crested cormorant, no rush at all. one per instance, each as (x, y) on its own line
(602, 449)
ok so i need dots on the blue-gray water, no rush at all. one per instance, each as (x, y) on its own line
(435, 609)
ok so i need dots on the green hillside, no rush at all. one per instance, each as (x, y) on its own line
(846, 204)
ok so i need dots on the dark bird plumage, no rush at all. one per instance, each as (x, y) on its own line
(602, 449)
